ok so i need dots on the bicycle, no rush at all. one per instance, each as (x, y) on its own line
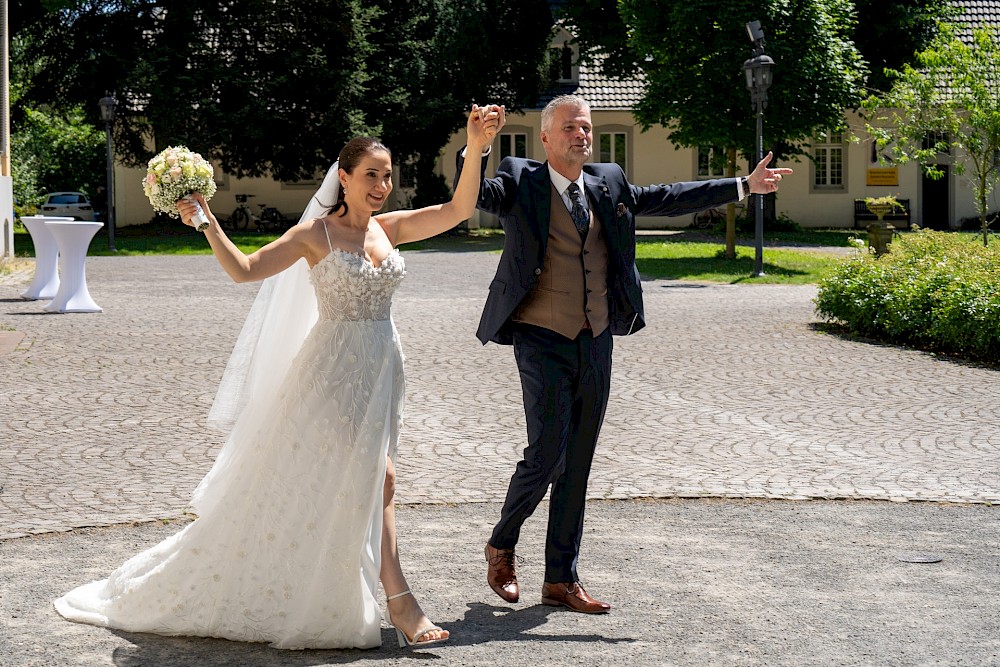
(270, 219)
(241, 215)
(708, 218)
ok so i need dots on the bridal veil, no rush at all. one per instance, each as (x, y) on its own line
(279, 320)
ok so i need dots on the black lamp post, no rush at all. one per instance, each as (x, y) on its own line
(758, 73)
(107, 105)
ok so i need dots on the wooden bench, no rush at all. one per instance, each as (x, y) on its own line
(899, 219)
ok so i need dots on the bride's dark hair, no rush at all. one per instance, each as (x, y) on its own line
(350, 157)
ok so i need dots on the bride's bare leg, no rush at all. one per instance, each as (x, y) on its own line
(405, 611)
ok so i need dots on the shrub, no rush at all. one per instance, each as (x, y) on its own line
(933, 290)
(973, 224)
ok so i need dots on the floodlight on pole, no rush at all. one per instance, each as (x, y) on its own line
(758, 72)
(107, 104)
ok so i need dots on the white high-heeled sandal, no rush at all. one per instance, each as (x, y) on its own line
(405, 641)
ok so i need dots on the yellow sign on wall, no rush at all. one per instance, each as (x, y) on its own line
(883, 176)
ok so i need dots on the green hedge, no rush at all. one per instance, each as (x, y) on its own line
(933, 290)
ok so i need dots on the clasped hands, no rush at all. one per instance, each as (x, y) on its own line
(764, 180)
(484, 123)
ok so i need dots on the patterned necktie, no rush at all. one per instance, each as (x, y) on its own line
(579, 214)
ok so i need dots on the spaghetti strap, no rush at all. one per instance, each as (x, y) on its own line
(328, 241)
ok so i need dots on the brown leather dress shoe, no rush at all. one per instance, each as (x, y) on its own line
(500, 575)
(574, 597)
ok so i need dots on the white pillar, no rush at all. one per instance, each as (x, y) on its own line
(6, 184)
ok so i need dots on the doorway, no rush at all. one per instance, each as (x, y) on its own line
(934, 200)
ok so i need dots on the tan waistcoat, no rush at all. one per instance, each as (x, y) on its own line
(572, 289)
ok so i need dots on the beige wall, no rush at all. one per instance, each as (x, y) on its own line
(652, 159)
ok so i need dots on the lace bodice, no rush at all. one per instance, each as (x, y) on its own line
(349, 287)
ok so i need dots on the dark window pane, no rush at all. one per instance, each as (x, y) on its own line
(505, 146)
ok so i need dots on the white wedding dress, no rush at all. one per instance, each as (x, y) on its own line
(286, 546)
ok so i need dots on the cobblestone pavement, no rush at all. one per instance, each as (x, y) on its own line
(729, 392)
(729, 398)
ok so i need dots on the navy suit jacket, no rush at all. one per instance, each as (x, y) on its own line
(521, 196)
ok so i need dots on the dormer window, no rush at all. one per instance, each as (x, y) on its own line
(565, 62)
(560, 62)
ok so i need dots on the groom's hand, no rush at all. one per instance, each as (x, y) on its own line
(763, 180)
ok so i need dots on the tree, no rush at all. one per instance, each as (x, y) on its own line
(948, 102)
(278, 88)
(442, 58)
(889, 33)
(261, 87)
(54, 151)
(693, 67)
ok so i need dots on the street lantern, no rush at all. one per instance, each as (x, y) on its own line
(758, 71)
(107, 104)
(759, 75)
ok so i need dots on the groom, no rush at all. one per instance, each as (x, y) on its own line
(566, 283)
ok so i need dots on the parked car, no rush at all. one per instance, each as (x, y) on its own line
(68, 205)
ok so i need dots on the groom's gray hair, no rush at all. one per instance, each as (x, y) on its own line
(574, 101)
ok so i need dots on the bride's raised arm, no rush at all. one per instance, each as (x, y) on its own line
(406, 226)
(265, 262)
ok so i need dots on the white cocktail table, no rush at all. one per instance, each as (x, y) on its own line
(73, 239)
(46, 281)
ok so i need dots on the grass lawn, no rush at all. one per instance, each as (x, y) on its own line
(703, 261)
(677, 255)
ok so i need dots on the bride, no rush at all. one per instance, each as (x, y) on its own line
(295, 519)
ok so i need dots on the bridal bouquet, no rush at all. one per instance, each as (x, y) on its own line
(174, 174)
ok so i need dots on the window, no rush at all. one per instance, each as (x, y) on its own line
(304, 184)
(565, 62)
(938, 140)
(711, 162)
(611, 146)
(560, 63)
(513, 144)
(70, 198)
(828, 160)
(220, 177)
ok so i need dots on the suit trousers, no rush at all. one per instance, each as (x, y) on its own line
(565, 385)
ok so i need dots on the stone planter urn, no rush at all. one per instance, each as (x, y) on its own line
(880, 209)
(880, 233)
(879, 237)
